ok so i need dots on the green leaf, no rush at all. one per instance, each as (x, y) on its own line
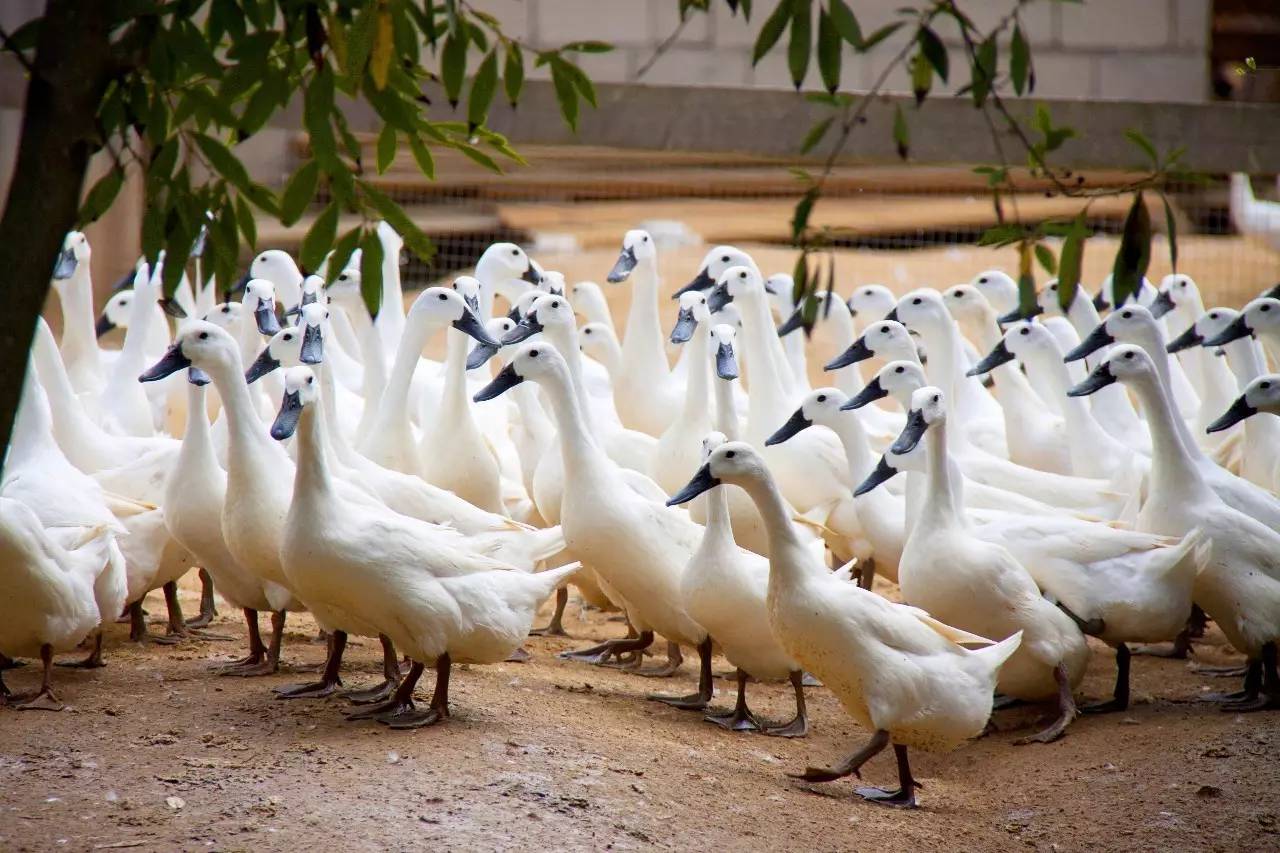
(845, 22)
(921, 77)
(1020, 61)
(320, 236)
(360, 42)
(371, 272)
(829, 46)
(566, 95)
(580, 81)
(245, 221)
(223, 161)
(1139, 139)
(1171, 227)
(1069, 262)
(483, 159)
(772, 30)
(395, 216)
(800, 218)
(588, 46)
(453, 66)
(901, 133)
(99, 198)
(984, 70)
(386, 148)
(513, 73)
(932, 49)
(879, 36)
(1134, 254)
(382, 50)
(1026, 281)
(1045, 258)
(262, 103)
(815, 134)
(299, 192)
(337, 260)
(422, 155)
(801, 38)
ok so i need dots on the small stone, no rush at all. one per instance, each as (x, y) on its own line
(175, 803)
(393, 757)
(1208, 791)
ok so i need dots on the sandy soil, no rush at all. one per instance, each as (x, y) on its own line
(154, 753)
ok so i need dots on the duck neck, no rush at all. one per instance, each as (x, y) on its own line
(767, 366)
(329, 410)
(1244, 360)
(79, 339)
(857, 450)
(69, 418)
(642, 353)
(774, 512)
(248, 452)
(197, 442)
(1084, 319)
(394, 403)
(453, 399)
(695, 389)
(1174, 473)
(565, 340)
(719, 525)
(946, 354)
(726, 419)
(312, 478)
(944, 495)
(1155, 349)
(1047, 369)
(580, 453)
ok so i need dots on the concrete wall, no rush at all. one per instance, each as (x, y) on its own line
(1155, 50)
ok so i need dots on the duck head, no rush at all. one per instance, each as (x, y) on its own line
(1210, 324)
(545, 310)
(199, 344)
(260, 300)
(503, 264)
(820, 406)
(1262, 314)
(292, 345)
(312, 291)
(498, 328)
(898, 379)
(300, 390)
(446, 306)
(693, 310)
(871, 302)
(714, 264)
(1124, 363)
(724, 345)
(1175, 289)
(595, 339)
(732, 462)
(536, 360)
(921, 309)
(115, 313)
(1260, 395)
(795, 320)
(968, 306)
(1000, 290)
(1130, 324)
(886, 339)
(224, 315)
(637, 248)
(75, 251)
(928, 407)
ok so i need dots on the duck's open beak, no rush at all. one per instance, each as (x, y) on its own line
(103, 325)
(911, 433)
(794, 425)
(531, 275)
(1161, 305)
(726, 362)
(718, 298)
(1100, 302)
(525, 329)
(262, 365)
(265, 315)
(470, 324)
(171, 362)
(481, 353)
(999, 355)
(685, 324)
(701, 482)
(287, 419)
(701, 281)
(1238, 411)
(312, 346)
(1096, 381)
(1017, 314)
(857, 351)
(1238, 329)
(795, 321)
(196, 376)
(870, 392)
(506, 378)
(1097, 339)
(882, 472)
(65, 265)
(623, 266)
(1188, 339)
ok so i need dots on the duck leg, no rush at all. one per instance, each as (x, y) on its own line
(94, 660)
(1265, 692)
(138, 627)
(5, 692)
(271, 663)
(400, 702)
(675, 658)
(1067, 711)
(905, 796)
(434, 713)
(696, 701)
(799, 725)
(1119, 700)
(867, 573)
(1000, 702)
(208, 608)
(44, 698)
(740, 719)
(329, 681)
(848, 767)
(177, 625)
(600, 655)
(256, 648)
(555, 628)
(1181, 648)
(391, 677)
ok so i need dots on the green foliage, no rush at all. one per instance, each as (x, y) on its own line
(1135, 251)
(1069, 261)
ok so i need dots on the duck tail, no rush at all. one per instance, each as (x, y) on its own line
(996, 655)
(545, 543)
(559, 576)
(1193, 552)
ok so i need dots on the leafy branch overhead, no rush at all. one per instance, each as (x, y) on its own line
(196, 78)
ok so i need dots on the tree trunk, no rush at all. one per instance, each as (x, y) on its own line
(72, 67)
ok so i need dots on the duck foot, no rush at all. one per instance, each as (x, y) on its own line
(412, 719)
(438, 710)
(1002, 702)
(850, 766)
(675, 659)
(44, 698)
(697, 701)
(1067, 712)
(599, 655)
(370, 695)
(1228, 671)
(810, 680)
(1249, 704)
(1261, 685)
(401, 702)
(1107, 706)
(555, 628)
(244, 662)
(799, 726)
(737, 720)
(1120, 697)
(329, 681)
(93, 661)
(896, 798)
(208, 609)
(520, 655)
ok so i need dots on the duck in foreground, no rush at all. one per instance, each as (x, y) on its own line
(902, 674)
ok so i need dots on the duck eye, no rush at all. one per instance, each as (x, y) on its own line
(725, 259)
(982, 280)
(586, 331)
(555, 304)
(226, 309)
(822, 398)
(936, 398)
(899, 369)
(1213, 315)
(515, 253)
(730, 454)
(1024, 331)
(958, 294)
(204, 336)
(1127, 314)
(742, 275)
(1128, 355)
(1265, 385)
(311, 380)
(916, 301)
(443, 297)
(288, 337)
(644, 239)
(533, 353)
(1266, 308)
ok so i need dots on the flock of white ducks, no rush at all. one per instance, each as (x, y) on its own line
(1067, 474)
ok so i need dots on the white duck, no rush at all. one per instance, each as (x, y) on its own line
(504, 269)
(678, 451)
(589, 301)
(73, 283)
(1259, 318)
(1251, 216)
(898, 672)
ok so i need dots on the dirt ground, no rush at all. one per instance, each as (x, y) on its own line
(155, 753)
